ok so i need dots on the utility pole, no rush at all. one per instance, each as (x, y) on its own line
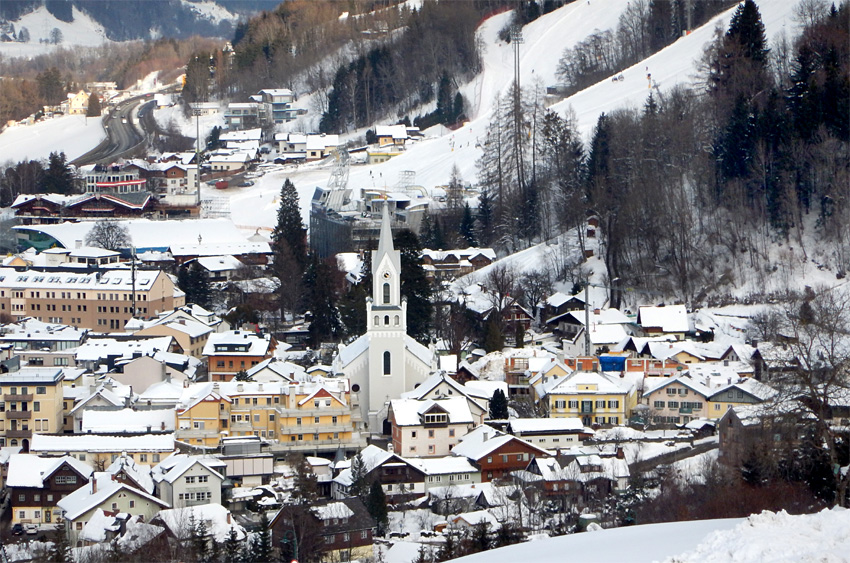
(197, 113)
(133, 281)
(586, 319)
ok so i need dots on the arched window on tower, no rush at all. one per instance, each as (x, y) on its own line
(387, 362)
(376, 320)
(386, 320)
(396, 320)
(386, 293)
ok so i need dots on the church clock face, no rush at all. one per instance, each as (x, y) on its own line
(386, 275)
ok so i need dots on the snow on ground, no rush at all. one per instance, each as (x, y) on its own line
(210, 11)
(692, 469)
(413, 522)
(546, 38)
(186, 125)
(81, 32)
(775, 537)
(73, 134)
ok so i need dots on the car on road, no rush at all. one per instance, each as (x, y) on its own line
(32, 529)
(246, 183)
(18, 529)
(123, 120)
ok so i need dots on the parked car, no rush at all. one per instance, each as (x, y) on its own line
(18, 529)
(246, 183)
(32, 529)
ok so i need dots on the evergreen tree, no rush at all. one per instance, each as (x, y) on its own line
(232, 547)
(198, 537)
(359, 486)
(242, 375)
(414, 286)
(499, 406)
(93, 109)
(485, 218)
(57, 177)
(519, 331)
(352, 309)
(426, 231)
(467, 226)
(194, 281)
(444, 100)
(747, 30)
(448, 550)
(261, 546)
(306, 484)
(320, 283)
(376, 504)
(493, 340)
(289, 229)
(60, 549)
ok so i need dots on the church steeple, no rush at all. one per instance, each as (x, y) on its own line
(386, 267)
(385, 244)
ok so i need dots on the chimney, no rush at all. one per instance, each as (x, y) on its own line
(486, 436)
(229, 518)
(93, 484)
(620, 453)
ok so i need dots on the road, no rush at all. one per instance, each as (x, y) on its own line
(121, 133)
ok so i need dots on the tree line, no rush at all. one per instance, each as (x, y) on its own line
(757, 154)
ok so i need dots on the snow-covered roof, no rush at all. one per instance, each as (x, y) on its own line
(394, 131)
(483, 440)
(332, 510)
(177, 464)
(217, 519)
(478, 517)
(222, 263)
(410, 412)
(654, 384)
(547, 425)
(443, 465)
(244, 135)
(347, 354)
(90, 496)
(148, 234)
(253, 344)
(321, 142)
(138, 472)
(671, 318)
(585, 383)
(29, 470)
(96, 349)
(103, 279)
(131, 421)
(44, 443)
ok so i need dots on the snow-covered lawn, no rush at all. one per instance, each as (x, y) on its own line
(73, 134)
(775, 537)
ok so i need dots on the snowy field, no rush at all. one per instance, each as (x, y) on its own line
(775, 537)
(73, 134)
(82, 32)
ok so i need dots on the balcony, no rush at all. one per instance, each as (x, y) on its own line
(18, 433)
(19, 415)
(8, 397)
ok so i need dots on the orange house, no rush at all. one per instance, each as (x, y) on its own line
(230, 352)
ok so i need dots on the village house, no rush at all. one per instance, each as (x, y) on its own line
(669, 320)
(31, 402)
(399, 478)
(495, 454)
(103, 492)
(231, 352)
(550, 433)
(36, 485)
(595, 397)
(185, 480)
(103, 449)
(428, 427)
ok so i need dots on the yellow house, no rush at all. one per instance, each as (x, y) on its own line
(676, 400)
(596, 398)
(191, 335)
(31, 402)
(302, 416)
(745, 392)
(78, 103)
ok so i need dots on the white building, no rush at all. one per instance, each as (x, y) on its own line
(385, 362)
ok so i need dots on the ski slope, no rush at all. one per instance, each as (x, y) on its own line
(74, 135)
(83, 31)
(545, 40)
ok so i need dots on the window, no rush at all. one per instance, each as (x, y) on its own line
(717, 406)
(413, 433)
(574, 404)
(156, 458)
(271, 418)
(364, 534)
(298, 421)
(41, 390)
(190, 479)
(560, 404)
(600, 404)
(673, 404)
(386, 293)
(615, 404)
(132, 504)
(345, 537)
(451, 432)
(22, 498)
(143, 457)
(430, 433)
(504, 458)
(333, 420)
(387, 362)
(329, 538)
(658, 404)
(67, 479)
(315, 420)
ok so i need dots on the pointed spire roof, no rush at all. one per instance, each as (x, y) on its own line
(385, 243)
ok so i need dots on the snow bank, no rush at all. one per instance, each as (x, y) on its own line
(74, 135)
(777, 537)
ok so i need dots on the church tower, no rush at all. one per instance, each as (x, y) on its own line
(386, 322)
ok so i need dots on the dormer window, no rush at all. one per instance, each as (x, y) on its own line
(437, 418)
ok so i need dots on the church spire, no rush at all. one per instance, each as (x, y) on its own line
(385, 243)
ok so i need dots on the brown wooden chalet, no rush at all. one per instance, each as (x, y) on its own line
(495, 453)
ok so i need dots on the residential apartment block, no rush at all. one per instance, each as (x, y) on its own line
(31, 401)
(100, 300)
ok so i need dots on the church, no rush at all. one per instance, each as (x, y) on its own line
(385, 362)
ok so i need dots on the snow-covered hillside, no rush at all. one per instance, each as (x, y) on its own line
(776, 537)
(74, 135)
(82, 32)
(545, 40)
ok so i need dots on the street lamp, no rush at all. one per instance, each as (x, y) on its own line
(294, 541)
